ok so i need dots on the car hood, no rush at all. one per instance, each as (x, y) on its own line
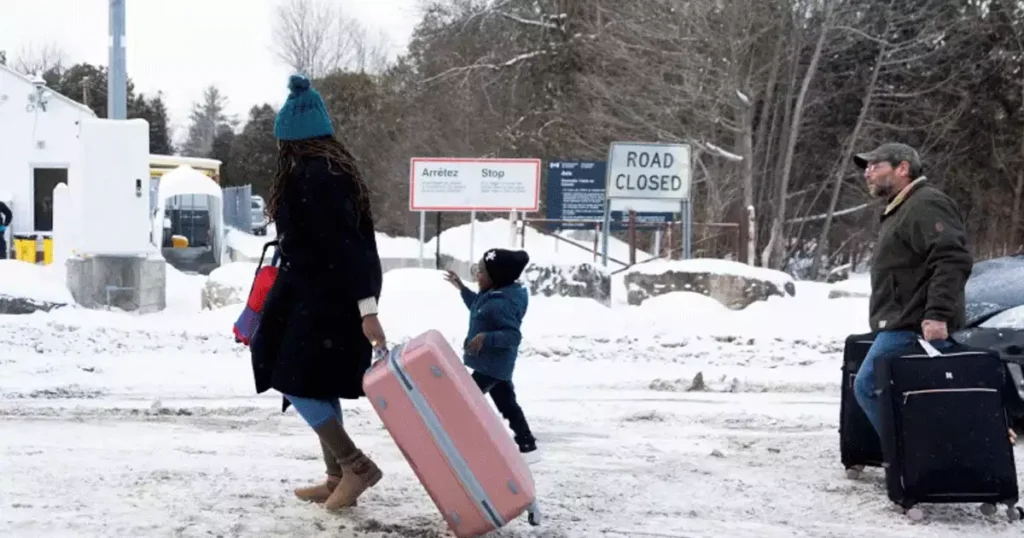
(995, 286)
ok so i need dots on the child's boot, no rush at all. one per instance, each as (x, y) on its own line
(528, 449)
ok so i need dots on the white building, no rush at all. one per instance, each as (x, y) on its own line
(39, 144)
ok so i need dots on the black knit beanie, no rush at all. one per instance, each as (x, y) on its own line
(505, 266)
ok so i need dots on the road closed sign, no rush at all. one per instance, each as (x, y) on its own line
(640, 170)
(451, 184)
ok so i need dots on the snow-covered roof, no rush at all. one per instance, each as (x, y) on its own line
(60, 97)
(178, 160)
(187, 180)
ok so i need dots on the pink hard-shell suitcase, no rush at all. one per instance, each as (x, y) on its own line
(450, 435)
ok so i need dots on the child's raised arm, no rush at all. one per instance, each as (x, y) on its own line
(468, 296)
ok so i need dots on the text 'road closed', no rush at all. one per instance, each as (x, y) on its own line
(649, 171)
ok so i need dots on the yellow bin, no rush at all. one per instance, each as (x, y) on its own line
(25, 249)
(47, 250)
(179, 241)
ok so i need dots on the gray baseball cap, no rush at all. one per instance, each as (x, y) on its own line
(891, 152)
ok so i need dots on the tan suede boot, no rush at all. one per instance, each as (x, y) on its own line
(318, 493)
(359, 473)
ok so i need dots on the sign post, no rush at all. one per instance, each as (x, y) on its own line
(642, 176)
(445, 184)
(423, 236)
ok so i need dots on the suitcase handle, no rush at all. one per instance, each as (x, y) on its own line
(928, 348)
(380, 353)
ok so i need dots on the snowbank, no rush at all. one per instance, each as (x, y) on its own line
(243, 246)
(401, 247)
(858, 285)
(414, 300)
(542, 248)
(735, 285)
(248, 247)
(717, 266)
(40, 283)
(234, 274)
(228, 285)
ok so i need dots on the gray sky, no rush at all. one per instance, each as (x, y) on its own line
(182, 46)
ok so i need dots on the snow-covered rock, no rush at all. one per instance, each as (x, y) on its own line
(584, 280)
(25, 305)
(228, 285)
(733, 284)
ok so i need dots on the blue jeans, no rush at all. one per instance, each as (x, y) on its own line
(316, 413)
(864, 389)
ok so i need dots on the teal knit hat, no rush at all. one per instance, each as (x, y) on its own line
(303, 115)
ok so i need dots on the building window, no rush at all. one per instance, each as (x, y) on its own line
(44, 181)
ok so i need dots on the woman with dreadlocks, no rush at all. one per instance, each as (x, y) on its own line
(319, 323)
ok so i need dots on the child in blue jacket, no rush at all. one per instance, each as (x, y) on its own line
(492, 343)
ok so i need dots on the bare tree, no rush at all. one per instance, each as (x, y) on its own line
(369, 52)
(317, 38)
(776, 248)
(33, 58)
(774, 97)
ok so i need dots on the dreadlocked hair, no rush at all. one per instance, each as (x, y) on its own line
(339, 160)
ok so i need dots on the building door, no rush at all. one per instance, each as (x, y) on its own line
(44, 180)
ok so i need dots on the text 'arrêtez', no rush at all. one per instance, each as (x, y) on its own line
(440, 172)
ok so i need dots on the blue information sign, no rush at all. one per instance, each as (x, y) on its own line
(576, 191)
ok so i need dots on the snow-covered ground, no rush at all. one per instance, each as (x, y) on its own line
(114, 424)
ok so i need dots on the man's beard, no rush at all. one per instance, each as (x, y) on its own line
(882, 189)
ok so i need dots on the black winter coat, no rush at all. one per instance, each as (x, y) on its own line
(310, 341)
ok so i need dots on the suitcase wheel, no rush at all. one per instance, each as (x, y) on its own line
(533, 515)
(1014, 513)
(914, 513)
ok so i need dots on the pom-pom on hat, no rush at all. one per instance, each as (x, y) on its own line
(304, 114)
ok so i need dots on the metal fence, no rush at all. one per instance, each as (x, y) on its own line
(238, 207)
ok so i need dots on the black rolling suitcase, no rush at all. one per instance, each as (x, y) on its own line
(945, 429)
(859, 445)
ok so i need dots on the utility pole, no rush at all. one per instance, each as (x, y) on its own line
(117, 71)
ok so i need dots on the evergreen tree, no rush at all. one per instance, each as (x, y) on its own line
(207, 118)
(253, 156)
(87, 84)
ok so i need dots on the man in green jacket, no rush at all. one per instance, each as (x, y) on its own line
(920, 263)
